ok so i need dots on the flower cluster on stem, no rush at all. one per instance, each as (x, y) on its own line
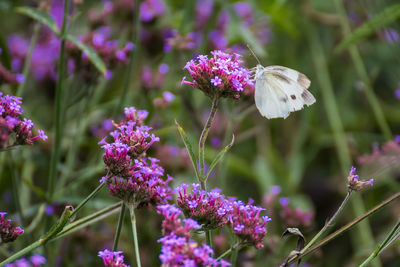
(354, 182)
(133, 177)
(8, 233)
(112, 258)
(178, 249)
(221, 75)
(12, 123)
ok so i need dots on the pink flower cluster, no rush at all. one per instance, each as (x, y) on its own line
(132, 177)
(177, 247)
(210, 209)
(295, 216)
(112, 258)
(12, 122)
(222, 75)
(247, 224)
(108, 50)
(214, 210)
(7, 232)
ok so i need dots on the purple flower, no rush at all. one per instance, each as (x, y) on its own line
(7, 232)
(247, 224)
(354, 182)
(11, 121)
(245, 11)
(222, 69)
(216, 81)
(397, 93)
(295, 216)
(178, 249)
(151, 9)
(37, 260)
(168, 96)
(203, 12)
(112, 258)
(210, 209)
(391, 35)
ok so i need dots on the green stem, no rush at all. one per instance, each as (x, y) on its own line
(27, 64)
(21, 253)
(229, 251)
(55, 155)
(203, 139)
(209, 237)
(94, 193)
(134, 233)
(330, 222)
(119, 227)
(345, 228)
(234, 255)
(387, 241)
(15, 181)
(363, 74)
(135, 52)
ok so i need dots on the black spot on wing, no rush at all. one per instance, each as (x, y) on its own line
(293, 97)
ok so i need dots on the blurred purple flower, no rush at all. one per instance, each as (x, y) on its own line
(8, 233)
(245, 11)
(391, 35)
(151, 9)
(204, 9)
(112, 258)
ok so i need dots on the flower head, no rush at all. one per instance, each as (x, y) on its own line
(221, 75)
(8, 233)
(247, 224)
(112, 258)
(354, 182)
(210, 209)
(178, 249)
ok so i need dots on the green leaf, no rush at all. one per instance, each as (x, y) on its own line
(40, 16)
(219, 156)
(189, 148)
(382, 19)
(90, 53)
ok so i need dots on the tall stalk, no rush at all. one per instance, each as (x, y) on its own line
(55, 155)
(135, 236)
(203, 139)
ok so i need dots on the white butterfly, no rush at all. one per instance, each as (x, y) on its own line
(280, 90)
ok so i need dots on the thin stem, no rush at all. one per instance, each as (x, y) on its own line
(363, 74)
(209, 237)
(203, 139)
(234, 255)
(382, 246)
(134, 233)
(21, 253)
(345, 228)
(27, 64)
(15, 181)
(55, 155)
(119, 227)
(135, 52)
(229, 251)
(330, 222)
(94, 193)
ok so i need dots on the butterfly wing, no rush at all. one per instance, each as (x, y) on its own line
(280, 90)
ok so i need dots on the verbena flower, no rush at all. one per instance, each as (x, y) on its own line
(7, 77)
(177, 247)
(210, 209)
(151, 9)
(145, 186)
(137, 180)
(247, 223)
(295, 216)
(110, 51)
(112, 258)
(221, 75)
(12, 123)
(354, 182)
(8, 233)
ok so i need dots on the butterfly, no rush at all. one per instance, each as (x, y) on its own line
(280, 90)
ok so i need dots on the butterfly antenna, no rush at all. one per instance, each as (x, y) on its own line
(251, 50)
